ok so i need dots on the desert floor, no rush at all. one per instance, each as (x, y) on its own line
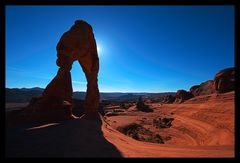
(202, 127)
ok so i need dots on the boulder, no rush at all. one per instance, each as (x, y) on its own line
(224, 80)
(182, 96)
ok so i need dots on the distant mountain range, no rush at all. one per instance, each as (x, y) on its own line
(26, 94)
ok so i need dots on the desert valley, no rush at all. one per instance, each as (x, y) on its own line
(194, 123)
(120, 81)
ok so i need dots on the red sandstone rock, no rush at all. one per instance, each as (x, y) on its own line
(224, 80)
(203, 89)
(77, 44)
(182, 96)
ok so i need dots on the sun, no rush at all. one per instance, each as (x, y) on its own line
(99, 49)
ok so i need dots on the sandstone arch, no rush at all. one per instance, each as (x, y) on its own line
(77, 44)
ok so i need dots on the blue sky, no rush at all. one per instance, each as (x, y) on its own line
(141, 48)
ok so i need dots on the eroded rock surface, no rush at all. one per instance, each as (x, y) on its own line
(204, 88)
(182, 96)
(224, 80)
(77, 44)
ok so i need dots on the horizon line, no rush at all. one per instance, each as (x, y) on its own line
(99, 91)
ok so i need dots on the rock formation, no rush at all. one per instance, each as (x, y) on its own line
(224, 80)
(182, 96)
(141, 106)
(203, 89)
(77, 44)
(168, 99)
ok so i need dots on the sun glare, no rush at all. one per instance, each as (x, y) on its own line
(99, 49)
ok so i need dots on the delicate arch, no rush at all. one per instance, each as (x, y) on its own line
(77, 44)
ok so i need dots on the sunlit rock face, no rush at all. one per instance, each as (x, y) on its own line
(224, 80)
(77, 44)
(204, 88)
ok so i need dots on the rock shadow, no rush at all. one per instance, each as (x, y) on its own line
(146, 109)
(72, 138)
